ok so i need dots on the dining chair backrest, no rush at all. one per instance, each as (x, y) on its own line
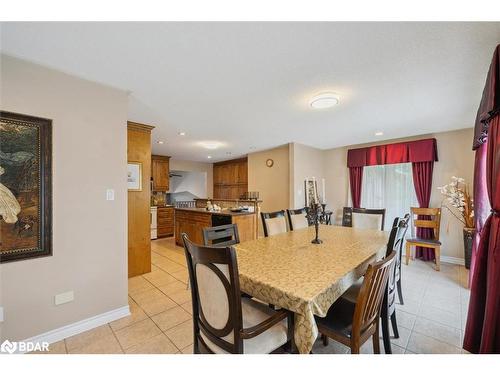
(368, 218)
(215, 293)
(426, 218)
(395, 244)
(221, 236)
(273, 222)
(369, 301)
(297, 219)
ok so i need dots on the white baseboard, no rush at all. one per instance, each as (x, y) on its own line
(451, 260)
(72, 329)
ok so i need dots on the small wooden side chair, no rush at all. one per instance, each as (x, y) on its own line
(432, 222)
(297, 219)
(273, 222)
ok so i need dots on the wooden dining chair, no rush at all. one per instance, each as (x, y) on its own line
(352, 324)
(273, 222)
(223, 322)
(399, 260)
(388, 312)
(297, 219)
(429, 218)
(221, 236)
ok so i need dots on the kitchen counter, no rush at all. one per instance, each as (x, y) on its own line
(223, 212)
(191, 220)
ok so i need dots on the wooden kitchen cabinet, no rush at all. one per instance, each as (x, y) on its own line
(230, 179)
(165, 221)
(160, 169)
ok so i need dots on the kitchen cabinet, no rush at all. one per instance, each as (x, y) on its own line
(160, 169)
(230, 178)
(165, 221)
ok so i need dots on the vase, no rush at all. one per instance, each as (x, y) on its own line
(468, 240)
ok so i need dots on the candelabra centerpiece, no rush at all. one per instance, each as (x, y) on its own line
(314, 213)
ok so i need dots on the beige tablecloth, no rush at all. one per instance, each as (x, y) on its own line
(288, 271)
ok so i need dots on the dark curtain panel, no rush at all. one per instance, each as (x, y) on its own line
(482, 331)
(422, 179)
(481, 202)
(355, 179)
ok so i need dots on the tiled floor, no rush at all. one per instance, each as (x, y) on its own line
(432, 319)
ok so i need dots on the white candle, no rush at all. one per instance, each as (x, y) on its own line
(323, 186)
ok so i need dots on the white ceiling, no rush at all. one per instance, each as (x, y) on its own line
(247, 85)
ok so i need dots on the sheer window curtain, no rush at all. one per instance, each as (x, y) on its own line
(391, 187)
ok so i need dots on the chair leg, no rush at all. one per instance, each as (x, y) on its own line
(394, 325)
(400, 292)
(408, 252)
(376, 340)
(437, 254)
(354, 349)
(385, 334)
(325, 339)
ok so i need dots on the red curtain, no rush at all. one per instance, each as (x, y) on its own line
(355, 179)
(394, 153)
(482, 331)
(481, 202)
(422, 180)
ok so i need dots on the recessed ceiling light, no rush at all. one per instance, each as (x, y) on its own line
(160, 142)
(379, 133)
(324, 100)
(209, 157)
(181, 133)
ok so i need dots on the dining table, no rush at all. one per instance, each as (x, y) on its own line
(288, 271)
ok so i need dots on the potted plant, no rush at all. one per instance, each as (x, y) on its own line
(457, 196)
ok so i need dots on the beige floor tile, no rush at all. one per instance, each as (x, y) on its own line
(159, 278)
(404, 336)
(174, 287)
(86, 338)
(188, 306)
(181, 335)
(422, 344)
(188, 349)
(171, 318)
(137, 333)
(181, 296)
(182, 276)
(333, 347)
(154, 302)
(449, 318)
(156, 345)
(438, 331)
(443, 302)
(410, 306)
(103, 345)
(405, 319)
(367, 348)
(136, 315)
(138, 284)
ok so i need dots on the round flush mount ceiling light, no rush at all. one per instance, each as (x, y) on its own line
(182, 133)
(211, 145)
(209, 157)
(324, 100)
(379, 133)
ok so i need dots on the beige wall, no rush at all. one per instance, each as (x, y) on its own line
(89, 233)
(455, 159)
(193, 166)
(272, 183)
(306, 162)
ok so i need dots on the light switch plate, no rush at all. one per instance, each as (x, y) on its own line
(110, 195)
(1, 314)
(65, 297)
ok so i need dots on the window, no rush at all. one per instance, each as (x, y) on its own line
(391, 187)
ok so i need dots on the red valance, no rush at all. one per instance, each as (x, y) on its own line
(490, 102)
(394, 153)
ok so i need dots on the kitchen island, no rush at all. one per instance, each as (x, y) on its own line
(192, 220)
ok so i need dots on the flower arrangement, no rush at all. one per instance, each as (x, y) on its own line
(457, 195)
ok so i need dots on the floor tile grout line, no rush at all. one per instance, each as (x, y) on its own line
(116, 338)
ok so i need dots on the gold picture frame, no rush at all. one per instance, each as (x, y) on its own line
(134, 176)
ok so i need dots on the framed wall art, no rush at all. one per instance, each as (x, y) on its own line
(25, 187)
(134, 176)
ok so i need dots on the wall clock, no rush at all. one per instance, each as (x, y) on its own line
(269, 162)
